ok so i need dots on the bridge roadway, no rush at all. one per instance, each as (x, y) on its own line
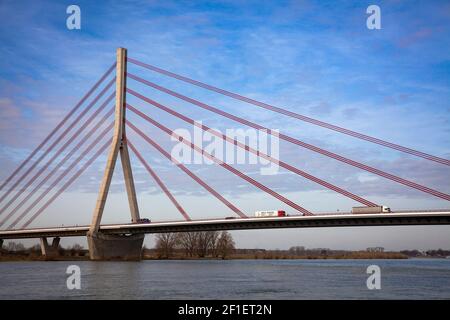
(441, 217)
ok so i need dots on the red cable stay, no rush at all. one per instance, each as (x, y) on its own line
(59, 165)
(57, 153)
(293, 114)
(186, 142)
(67, 184)
(158, 181)
(249, 149)
(224, 165)
(50, 135)
(70, 181)
(49, 149)
(187, 171)
(293, 140)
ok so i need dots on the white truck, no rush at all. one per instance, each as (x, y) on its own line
(270, 213)
(377, 209)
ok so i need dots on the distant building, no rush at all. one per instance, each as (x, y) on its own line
(297, 250)
(322, 251)
(375, 249)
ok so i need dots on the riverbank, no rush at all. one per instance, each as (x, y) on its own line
(270, 256)
(350, 256)
(14, 257)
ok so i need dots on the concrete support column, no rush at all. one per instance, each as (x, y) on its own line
(119, 145)
(47, 250)
(115, 247)
(107, 247)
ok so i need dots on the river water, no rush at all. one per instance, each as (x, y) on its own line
(231, 279)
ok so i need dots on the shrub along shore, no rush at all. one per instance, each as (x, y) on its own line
(213, 245)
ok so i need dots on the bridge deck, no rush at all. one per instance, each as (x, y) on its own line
(328, 220)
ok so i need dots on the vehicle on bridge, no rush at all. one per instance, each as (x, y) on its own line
(376, 209)
(143, 220)
(270, 213)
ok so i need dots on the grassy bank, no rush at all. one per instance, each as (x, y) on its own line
(269, 256)
(5, 258)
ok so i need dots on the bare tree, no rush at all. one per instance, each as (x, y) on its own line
(206, 242)
(215, 244)
(77, 247)
(225, 244)
(165, 244)
(35, 248)
(15, 246)
(188, 242)
(202, 244)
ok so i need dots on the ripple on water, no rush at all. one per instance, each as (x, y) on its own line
(232, 279)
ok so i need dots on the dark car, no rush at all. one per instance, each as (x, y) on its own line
(143, 220)
(230, 218)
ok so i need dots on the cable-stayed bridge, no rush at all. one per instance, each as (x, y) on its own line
(56, 163)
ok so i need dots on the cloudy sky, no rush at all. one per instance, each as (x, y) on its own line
(316, 58)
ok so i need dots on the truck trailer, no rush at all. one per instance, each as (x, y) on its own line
(270, 213)
(365, 210)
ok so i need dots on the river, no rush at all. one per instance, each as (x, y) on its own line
(231, 279)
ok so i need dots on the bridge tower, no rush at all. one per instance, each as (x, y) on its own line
(123, 247)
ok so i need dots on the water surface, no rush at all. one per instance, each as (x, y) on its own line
(232, 279)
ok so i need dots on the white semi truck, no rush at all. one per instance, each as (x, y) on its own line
(270, 213)
(377, 209)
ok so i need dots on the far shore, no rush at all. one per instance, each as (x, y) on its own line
(78, 253)
(352, 256)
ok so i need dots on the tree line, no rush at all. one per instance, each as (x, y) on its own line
(203, 244)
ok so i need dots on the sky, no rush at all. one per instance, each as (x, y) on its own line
(316, 58)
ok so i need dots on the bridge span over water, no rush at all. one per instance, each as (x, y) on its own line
(440, 217)
(62, 157)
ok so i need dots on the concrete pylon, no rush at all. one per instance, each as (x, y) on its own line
(49, 251)
(105, 247)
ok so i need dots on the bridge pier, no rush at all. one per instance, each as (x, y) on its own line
(50, 251)
(115, 247)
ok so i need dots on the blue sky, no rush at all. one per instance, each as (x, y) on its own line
(313, 57)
